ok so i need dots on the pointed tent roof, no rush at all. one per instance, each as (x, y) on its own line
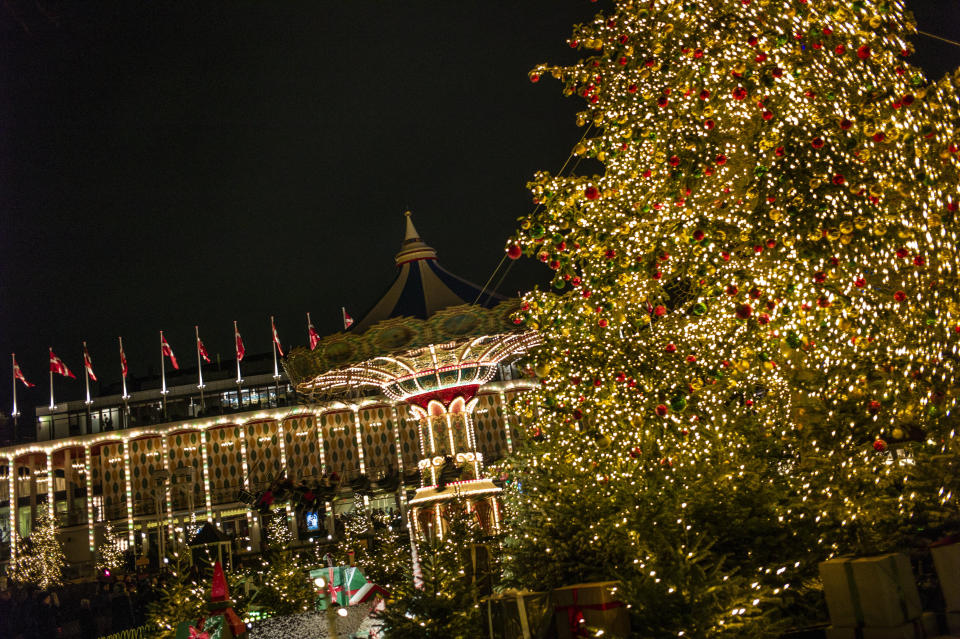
(422, 286)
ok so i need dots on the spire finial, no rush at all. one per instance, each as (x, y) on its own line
(411, 233)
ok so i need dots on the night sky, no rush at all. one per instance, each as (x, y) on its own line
(165, 164)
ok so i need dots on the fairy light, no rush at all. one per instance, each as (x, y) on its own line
(205, 465)
(506, 420)
(128, 489)
(88, 497)
(50, 492)
(12, 496)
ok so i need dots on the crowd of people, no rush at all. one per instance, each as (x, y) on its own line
(83, 611)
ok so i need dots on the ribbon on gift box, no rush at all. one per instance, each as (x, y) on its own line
(197, 632)
(854, 593)
(575, 618)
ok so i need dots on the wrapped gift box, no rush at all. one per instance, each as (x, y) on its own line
(347, 582)
(592, 605)
(923, 628)
(518, 614)
(946, 559)
(877, 592)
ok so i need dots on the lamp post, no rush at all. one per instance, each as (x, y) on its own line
(161, 477)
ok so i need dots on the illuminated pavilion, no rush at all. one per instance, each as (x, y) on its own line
(420, 388)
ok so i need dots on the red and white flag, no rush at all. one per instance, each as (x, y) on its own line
(276, 338)
(123, 359)
(88, 363)
(57, 366)
(202, 350)
(312, 332)
(18, 374)
(347, 320)
(240, 349)
(166, 351)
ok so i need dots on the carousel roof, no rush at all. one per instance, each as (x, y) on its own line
(422, 287)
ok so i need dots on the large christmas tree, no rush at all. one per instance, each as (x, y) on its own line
(753, 312)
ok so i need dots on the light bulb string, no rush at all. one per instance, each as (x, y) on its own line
(486, 284)
(936, 37)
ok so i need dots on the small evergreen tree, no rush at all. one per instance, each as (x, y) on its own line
(284, 588)
(110, 552)
(40, 559)
(184, 594)
(180, 597)
(444, 601)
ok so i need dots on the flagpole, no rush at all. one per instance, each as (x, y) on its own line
(86, 376)
(52, 404)
(13, 367)
(199, 367)
(163, 378)
(123, 378)
(15, 414)
(273, 328)
(123, 375)
(237, 355)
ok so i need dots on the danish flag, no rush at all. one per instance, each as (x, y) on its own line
(276, 338)
(18, 374)
(57, 366)
(203, 351)
(347, 320)
(312, 332)
(123, 359)
(165, 350)
(240, 349)
(88, 363)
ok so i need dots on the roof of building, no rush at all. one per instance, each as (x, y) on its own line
(422, 287)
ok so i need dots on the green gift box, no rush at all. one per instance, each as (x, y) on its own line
(346, 581)
(518, 614)
(594, 606)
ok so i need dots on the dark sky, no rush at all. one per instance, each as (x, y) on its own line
(165, 164)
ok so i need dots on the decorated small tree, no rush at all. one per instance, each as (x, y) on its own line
(443, 600)
(109, 552)
(283, 587)
(180, 596)
(40, 559)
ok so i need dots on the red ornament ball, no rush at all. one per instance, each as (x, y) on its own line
(592, 193)
(514, 252)
(739, 93)
(744, 311)
(900, 296)
(660, 310)
(879, 445)
(662, 410)
(635, 452)
(845, 124)
(863, 52)
(817, 143)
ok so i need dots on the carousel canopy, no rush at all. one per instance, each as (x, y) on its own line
(422, 286)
